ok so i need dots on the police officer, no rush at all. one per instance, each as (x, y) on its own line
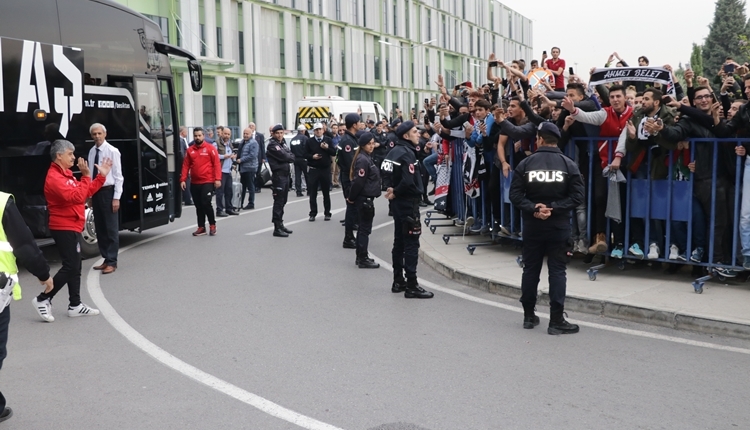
(546, 187)
(344, 159)
(318, 151)
(16, 243)
(297, 145)
(404, 188)
(279, 157)
(365, 188)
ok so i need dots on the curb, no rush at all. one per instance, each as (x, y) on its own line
(657, 317)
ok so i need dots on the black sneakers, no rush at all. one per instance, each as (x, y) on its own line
(558, 325)
(399, 286)
(414, 291)
(530, 322)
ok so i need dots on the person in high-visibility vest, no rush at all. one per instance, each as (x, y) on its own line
(16, 243)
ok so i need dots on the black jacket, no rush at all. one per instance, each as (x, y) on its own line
(366, 179)
(261, 147)
(345, 155)
(687, 128)
(312, 147)
(24, 246)
(279, 157)
(401, 172)
(297, 146)
(549, 177)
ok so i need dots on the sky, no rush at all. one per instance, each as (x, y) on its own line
(581, 28)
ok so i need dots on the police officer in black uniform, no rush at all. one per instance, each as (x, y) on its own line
(546, 187)
(381, 146)
(344, 159)
(318, 151)
(404, 188)
(297, 145)
(279, 157)
(365, 188)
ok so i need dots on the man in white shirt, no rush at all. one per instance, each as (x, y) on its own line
(106, 201)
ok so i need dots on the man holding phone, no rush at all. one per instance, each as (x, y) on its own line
(556, 66)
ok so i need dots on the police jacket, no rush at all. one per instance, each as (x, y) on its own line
(381, 151)
(345, 154)
(279, 156)
(549, 177)
(312, 147)
(365, 178)
(297, 145)
(400, 171)
(22, 242)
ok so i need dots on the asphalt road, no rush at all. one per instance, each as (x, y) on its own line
(289, 330)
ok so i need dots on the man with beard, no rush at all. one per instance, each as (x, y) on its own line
(637, 141)
(202, 164)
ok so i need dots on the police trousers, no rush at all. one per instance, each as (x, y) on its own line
(556, 246)
(280, 185)
(365, 213)
(406, 232)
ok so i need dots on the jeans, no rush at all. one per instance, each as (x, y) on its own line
(680, 230)
(429, 163)
(224, 193)
(69, 247)
(248, 184)
(107, 224)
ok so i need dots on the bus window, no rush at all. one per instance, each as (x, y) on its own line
(150, 119)
(169, 121)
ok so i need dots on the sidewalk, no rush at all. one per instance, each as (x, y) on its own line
(639, 293)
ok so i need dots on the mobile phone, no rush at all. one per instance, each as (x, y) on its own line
(713, 97)
(570, 71)
(729, 68)
(426, 101)
(544, 52)
(494, 63)
(467, 124)
(687, 66)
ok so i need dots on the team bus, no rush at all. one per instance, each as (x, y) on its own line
(67, 64)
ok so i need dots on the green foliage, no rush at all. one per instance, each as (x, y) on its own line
(696, 59)
(724, 36)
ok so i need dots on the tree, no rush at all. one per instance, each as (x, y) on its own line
(724, 36)
(696, 60)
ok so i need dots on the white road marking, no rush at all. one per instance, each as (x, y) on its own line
(266, 230)
(269, 407)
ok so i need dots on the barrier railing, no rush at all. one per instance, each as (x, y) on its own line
(688, 208)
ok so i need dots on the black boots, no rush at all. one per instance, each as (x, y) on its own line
(284, 229)
(558, 325)
(365, 262)
(279, 230)
(399, 285)
(414, 291)
(349, 242)
(530, 320)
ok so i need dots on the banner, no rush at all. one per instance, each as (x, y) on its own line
(634, 74)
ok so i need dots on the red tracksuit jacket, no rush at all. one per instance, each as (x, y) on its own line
(202, 162)
(66, 197)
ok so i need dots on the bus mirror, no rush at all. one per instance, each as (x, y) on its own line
(196, 74)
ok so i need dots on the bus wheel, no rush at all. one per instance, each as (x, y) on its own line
(89, 246)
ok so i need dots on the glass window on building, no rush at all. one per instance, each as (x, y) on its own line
(283, 110)
(299, 56)
(219, 45)
(203, 40)
(445, 32)
(364, 13)
(312, 59)
(181, 107)
(343, 65)
(355, 12)
(387, 70)
(429, 24)
(322, 69)
(163, 24)
(179, 32)
(385, 17)
(241, 43)
(471, 40)
(330, 62)
(309, 6)
(407, 17)
(209, 110)
(338, 10)
(395, 19)
(282, 56)
(233, 111)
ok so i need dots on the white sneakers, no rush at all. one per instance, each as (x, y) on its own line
(44, 309)
(653, 251)
(674, 252)
(82, 311)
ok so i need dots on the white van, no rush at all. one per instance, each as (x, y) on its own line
(316, 109)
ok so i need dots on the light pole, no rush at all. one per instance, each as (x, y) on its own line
(411, 85)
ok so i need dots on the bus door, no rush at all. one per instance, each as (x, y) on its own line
(173, 146)
(154, 169)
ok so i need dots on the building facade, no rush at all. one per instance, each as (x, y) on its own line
(261, 56)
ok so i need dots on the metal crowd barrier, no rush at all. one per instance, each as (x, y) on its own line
(669, 205)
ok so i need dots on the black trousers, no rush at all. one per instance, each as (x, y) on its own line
(350, 216)
(69, 247)
(300, 169)
(248, 183)
(702, 191)
(280, 184)
(495, 190)
(555, 246)
(364, 217)
(107, 224)
(319, 177)
(405, 251)
(4, 323)
(202, 196)
(224, 193)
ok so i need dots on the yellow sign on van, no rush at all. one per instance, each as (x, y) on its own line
(310, 115)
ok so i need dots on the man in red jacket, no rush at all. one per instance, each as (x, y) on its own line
(66, 197)
(202, 164)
